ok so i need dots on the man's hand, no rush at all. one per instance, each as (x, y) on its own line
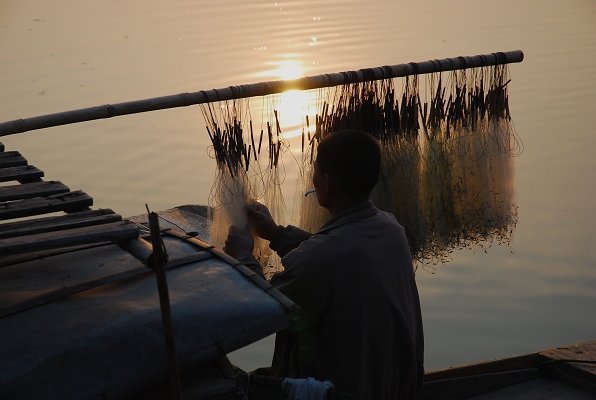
(239, 241)
(260, 220)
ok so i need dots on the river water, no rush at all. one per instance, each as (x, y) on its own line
(536, 294)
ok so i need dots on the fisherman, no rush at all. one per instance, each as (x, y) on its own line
(360, 324)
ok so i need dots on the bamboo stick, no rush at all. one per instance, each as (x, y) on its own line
(159, 262)
(258, 89)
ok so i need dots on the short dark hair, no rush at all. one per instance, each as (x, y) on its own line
(353, 158)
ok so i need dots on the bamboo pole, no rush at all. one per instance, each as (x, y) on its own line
(258, 89)
(159, 260)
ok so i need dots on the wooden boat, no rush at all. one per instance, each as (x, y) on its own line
(563, 373)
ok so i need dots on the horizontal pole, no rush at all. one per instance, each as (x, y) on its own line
(258, 89)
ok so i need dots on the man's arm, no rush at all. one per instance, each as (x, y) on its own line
(239, 243)
(287, 239)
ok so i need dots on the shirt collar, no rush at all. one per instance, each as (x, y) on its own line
(354, 213)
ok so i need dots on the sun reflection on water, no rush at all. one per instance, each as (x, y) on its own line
(292, 106)
(286, 68)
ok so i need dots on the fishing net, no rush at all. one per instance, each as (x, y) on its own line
(242, 175)
(447, 144)
(447, 166)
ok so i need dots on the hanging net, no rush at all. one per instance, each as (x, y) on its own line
(248, 168)
(447, 143)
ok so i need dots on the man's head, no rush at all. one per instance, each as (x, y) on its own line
(352, 159)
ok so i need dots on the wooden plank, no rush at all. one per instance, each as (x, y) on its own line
(69, 202)
(52, 224)
(21, 174)
(28, 223)
(31, 190)
(11, 159)
(71, 237)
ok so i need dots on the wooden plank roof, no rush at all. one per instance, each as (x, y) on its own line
(26, 196)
